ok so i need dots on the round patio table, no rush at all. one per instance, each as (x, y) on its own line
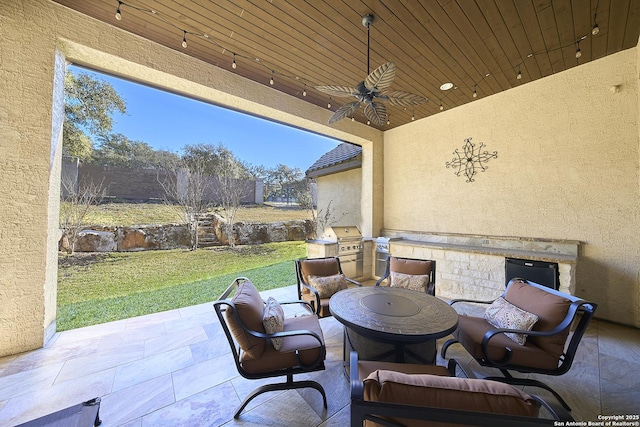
(396, 316)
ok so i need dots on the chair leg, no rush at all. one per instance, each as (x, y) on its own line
(446, 345)
(531, 383)
(288, 385)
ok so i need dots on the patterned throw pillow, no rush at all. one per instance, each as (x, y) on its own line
(273, 320)
(502, 314)
(415, 282)
(328, 285)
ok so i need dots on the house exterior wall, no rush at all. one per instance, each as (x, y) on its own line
(567, 168)
(37, 37)
(344, 191)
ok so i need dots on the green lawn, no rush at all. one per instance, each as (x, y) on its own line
(98, 288)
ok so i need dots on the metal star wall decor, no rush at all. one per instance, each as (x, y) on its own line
(469, 159)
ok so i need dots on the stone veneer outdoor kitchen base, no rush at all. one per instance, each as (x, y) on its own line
(473, 267)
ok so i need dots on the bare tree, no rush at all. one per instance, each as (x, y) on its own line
(233, 186)
(78, 200)
(186, 189)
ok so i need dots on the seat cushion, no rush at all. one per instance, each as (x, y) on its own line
(308, 347)
(550, 309)
(249, 306)
(410, 266)
(471, 330)
(318, 267)
(447, 393)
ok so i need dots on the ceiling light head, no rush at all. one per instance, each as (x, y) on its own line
(595, 30)
(446, 86)
(367, 20)
(118, 14)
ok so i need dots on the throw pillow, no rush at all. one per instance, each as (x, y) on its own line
(273, 321)
(328, 285)
(502, 314)
(415, 282)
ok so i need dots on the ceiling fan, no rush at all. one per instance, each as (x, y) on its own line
(372, 90)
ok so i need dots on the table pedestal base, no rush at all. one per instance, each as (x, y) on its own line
(369, 349)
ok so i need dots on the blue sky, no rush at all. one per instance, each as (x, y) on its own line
(168, 122)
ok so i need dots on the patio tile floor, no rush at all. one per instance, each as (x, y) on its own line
(175, 369)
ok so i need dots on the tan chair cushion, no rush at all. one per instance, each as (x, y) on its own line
(447, 393)
(308, 347)
(410, 266)
(250, 307)
(471, 330)
(502, 314)
(318, 267)
(550, 309)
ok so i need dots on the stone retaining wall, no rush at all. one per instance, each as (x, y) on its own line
(176, 236)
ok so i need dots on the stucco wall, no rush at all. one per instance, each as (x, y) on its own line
(33, 34)
(567, 168)
(343, 190)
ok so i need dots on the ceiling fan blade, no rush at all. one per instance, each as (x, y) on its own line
(339, 90)
(344, 111)
(381, 78)
(376, 113)
(404, 99)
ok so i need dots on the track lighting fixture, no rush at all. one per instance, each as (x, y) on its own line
(595, 30)
(184, 39)
(118, 14)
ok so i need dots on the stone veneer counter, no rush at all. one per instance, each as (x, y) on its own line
(471, 266)
(505, 252)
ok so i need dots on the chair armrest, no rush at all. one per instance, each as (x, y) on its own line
(453, 301)
(573, 310)
(380, 280)
(557, 411)
(288, 334)
(357, 387)
(353, 281)
(315, 294)
(300, 332)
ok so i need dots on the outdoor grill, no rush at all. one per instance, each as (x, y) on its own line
(350, 248)
(382, 253)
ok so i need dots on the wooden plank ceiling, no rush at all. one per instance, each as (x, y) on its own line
(478, 45)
